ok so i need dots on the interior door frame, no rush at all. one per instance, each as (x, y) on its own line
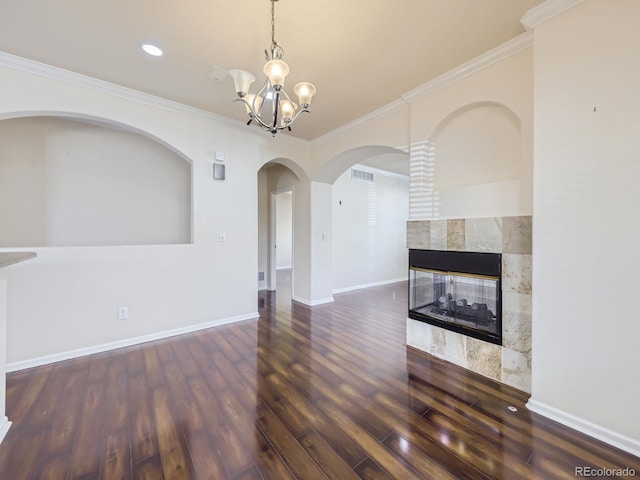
(272, 275)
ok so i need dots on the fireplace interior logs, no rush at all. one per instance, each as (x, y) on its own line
(458, 291)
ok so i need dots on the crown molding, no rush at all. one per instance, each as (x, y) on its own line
(546, 11)
(383, 111)
(511, 47)
(80, 80)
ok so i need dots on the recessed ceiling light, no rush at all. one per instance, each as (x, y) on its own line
(151, 49)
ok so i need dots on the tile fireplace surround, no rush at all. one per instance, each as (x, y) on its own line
(511, 236)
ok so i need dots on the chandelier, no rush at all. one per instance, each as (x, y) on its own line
(271, 107)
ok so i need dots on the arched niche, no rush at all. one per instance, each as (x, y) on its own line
(82, 181)
(97, 121)
(477, 144)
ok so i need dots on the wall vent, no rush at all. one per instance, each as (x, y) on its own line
(261, 276)
(361, 175)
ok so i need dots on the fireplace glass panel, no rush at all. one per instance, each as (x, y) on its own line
(469, 303)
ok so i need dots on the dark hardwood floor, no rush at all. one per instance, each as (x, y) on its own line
(303, 393)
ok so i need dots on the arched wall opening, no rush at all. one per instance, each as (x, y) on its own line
(368, 212)
(282, 184)
(75, 182)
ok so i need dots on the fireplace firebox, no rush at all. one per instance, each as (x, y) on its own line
(458, 291)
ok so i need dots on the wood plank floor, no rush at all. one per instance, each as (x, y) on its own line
(303, 393)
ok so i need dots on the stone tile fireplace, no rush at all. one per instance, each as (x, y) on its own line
(457, 291)
(510, 237)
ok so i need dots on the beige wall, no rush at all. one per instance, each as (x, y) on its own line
(67, 183)
(71, 295)
(585, 175)
(369, 230)
(284, 230)
(273, 178)
(586, 237)
(479, 130)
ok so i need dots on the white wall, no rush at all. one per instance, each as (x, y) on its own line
(586, 235)
(479, 144)
(475, 138)
(284, 229)
(70, 296)
(321, 246)
(263, 229)
(67, 183)
(369, 230)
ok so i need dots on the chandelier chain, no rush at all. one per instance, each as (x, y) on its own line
(274, 44)
(272, 94)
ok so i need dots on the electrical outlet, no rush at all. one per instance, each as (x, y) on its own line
(123, 313)
(222, 237)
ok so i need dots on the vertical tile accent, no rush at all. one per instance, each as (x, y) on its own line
(438, 234)
(516, 370)
(516, 235)
(516, 302)
(455, 234)
(455, 349)
(438, 343)
(483, 235)
(516, 273)
(516, 332)
(419, 335)
(484, 358)
(418, 235)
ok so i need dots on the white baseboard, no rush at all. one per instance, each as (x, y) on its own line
(312, 303)
(368, 285)
(284, 268)
(610, 437)
(5, 424)
(81, 352)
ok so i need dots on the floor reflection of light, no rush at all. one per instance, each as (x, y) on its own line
(444, 438)
(404, 445)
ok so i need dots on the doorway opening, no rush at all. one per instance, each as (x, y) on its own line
(280, 188)
(281, 261)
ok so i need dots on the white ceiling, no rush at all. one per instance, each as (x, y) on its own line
(361, 54)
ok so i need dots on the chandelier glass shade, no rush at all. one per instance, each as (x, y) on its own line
(271, 107)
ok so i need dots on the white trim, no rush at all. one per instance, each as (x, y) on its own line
(312, 303)
(5, 424)
(81, 352)
(614, 439)
(379, 171)
(367, 285)
(283, 268)
(546, 11)
(507, 49)
(474, 65)
(381, 112)
(102, 86)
